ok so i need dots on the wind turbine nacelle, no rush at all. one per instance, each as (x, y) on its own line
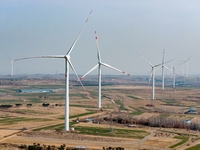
(67, 57)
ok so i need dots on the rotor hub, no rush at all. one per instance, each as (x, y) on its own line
(67, 57)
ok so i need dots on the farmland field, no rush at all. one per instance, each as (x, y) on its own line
(126, 120)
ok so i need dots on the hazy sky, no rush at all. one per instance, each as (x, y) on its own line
(124, 28)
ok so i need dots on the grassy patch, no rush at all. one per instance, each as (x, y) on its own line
(83, 106)
(124, 133)
(183, 140)
(84, 114)
(54, 94)
(9, 121)
(170, 102)
(133, 97)
(11, 101)
(6, 90)
(57, 98)
(197, 139)
(121, 104)
(80, 115)
(34, 100)
(29, 111)
(26, 94)
(52, 127)
(144, 108)
(195, 147)
(58, 127)
(136, 113)
(93, 93)
(45, 86)
(83, 96)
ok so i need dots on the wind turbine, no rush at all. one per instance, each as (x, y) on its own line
(187, 61)
(67, 64)
(174, 77)
(153, 68)
(99, 64)
(174, 73)
(163, 70)
(11, 62)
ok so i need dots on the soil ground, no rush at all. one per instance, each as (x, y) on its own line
(132, 98)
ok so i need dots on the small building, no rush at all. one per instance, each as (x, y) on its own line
(35, 91)
(131, 125)
(89, 119)
(83, 120)
(80, 147)
(191, 111)
(187, 121)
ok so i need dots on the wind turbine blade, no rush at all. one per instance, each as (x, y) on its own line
(53, 56)
(167, 68)
(98, 51)
(25, 58)
(188, 58)
(157, 68)
(146, 60)
(89, 71)
(71, 48)
(50, 56)
(187, 64)
(163, 60)
(150, 75)
(163, 63)
(168, 61)
(8, 56)
(76, 74)
(106, 65)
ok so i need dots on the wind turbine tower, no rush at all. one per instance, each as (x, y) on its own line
(187, 64)
(153, 75)
(68, 64)
(153, 67)
(99, 64)
(174, 77)
(11, 62)
(163, 70)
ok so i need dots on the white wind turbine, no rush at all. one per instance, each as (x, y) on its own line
(163, 70)
(67, 64)
(174, 73)
(174, 76)
(99, 71)
(187, 62)
(153, 68)
(11, 62)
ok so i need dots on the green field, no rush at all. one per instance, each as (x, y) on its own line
(15, 120)
(124, 133)
(196, 147)
(183, 140)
